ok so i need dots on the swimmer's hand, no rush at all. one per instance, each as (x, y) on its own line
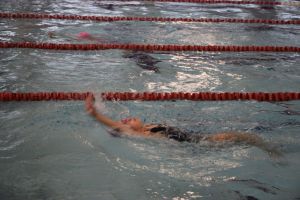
(115, 125)
(89, 105)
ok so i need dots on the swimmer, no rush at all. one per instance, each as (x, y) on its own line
(135, 127)
(141, 59)
(79, 36)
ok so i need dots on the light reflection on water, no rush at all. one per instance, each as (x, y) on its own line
(184, 163)
(187, 82)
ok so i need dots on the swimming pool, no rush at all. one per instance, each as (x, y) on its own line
(54, 150)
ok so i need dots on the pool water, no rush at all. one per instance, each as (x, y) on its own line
(54, 150)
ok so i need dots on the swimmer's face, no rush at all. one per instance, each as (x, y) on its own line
(134, 123)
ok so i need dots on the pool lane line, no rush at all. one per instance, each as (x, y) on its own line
(151, 96)
(241, 2)
(147, 47)
(148, 19)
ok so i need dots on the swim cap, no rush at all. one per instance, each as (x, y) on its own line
(84, 35)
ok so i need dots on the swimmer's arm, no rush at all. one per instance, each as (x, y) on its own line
(71, 36)
(117, 126)
(52, 34)
(106, 120)
(90, 108)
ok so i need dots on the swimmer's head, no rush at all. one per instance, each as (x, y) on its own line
(51, 34)
(133, 122)
(84, 35)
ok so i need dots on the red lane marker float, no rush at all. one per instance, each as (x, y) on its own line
(148, 47)
(43, 96)
(152, 96)
(154, 19)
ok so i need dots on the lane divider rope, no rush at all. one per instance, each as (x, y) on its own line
(152, 96)
(154, 19)
(268, 3)
(148, 47)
